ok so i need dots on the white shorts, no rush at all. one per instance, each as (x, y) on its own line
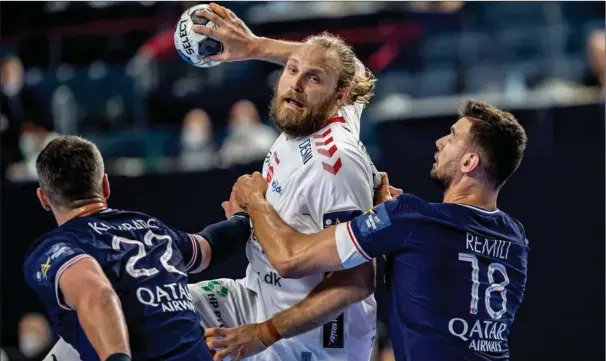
(62, 351)
(229, 303)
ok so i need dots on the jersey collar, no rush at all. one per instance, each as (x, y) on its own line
(333, 120)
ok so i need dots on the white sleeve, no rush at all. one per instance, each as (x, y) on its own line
(338, 196)
(62, 351)
(352, 114)
(350, 251)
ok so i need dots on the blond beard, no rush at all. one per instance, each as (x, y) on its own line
(304, 124)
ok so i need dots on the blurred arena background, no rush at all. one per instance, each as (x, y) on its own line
(175, 137)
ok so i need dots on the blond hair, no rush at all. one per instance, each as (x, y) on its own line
(352, 75)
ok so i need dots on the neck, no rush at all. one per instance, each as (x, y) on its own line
(92, 207)
(473, 195)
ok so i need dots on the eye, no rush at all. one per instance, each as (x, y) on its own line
(291, 69)
(314, 79)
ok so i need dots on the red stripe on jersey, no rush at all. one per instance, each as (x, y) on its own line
(334, 120)
(334, 169)
(328, 153)
(323, 135)
(353, 240)
(326, 142)
(194, 256)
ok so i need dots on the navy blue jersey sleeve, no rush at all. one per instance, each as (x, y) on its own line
(189, 246)
(381, 230)
(45, 264)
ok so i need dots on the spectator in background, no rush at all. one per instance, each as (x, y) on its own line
(32, 139)
(248, 138)
(197, 147)
(35, 339)
(436, 6)
(19, 105)
(596, 53)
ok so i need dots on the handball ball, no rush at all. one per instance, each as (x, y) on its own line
(194, 47)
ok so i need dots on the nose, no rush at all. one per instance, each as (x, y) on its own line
(297, 84)
(440, 143)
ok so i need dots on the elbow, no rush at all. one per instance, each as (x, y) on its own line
(101, 296)
(287, 269)
(361, 292)
(367, 290)
(365, 284)
(292, 267)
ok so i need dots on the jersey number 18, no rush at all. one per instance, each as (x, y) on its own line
(493, 287)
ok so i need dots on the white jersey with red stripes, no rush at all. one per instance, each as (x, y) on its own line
(313, 182)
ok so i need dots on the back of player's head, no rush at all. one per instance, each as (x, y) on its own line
(360, 87)
(499, 136)
(70, 169)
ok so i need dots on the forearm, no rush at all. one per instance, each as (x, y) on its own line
(271, 231)
(336, 292)
(273, 50)
(100, 315)
(293, 254)
(224, 237)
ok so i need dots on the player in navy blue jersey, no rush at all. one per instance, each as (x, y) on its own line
(456, 270)
(115, 282)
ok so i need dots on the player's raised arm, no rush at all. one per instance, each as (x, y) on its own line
(239, 43)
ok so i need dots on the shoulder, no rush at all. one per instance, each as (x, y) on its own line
(410, 206)
(49, 241)
(335, 151)
(352, 113)
(517, 227)
(55, 245)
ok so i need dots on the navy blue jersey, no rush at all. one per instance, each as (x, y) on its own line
(455, 276)
(147, 264)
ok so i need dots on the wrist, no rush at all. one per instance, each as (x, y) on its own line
(268, 333)
(118, 357)
(255, 201)
(258, 45)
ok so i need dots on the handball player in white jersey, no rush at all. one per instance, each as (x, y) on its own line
(318, 174)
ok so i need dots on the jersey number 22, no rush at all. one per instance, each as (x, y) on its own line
(141, 253)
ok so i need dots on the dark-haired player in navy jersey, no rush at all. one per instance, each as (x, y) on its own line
(115, 282)
(456, 270)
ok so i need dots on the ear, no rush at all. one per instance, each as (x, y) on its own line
(43, 199)
(342, 96)
(105, 186)
(470, 162)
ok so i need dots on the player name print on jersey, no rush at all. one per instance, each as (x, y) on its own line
(135, 224)
(305, 151)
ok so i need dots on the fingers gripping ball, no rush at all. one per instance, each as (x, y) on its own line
(194, 47)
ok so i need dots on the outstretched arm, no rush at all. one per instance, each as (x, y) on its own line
(294, 254)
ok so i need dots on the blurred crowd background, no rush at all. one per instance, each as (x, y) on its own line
(108, 71)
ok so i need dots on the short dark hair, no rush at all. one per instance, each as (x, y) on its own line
(500, 137)
(70, 170)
